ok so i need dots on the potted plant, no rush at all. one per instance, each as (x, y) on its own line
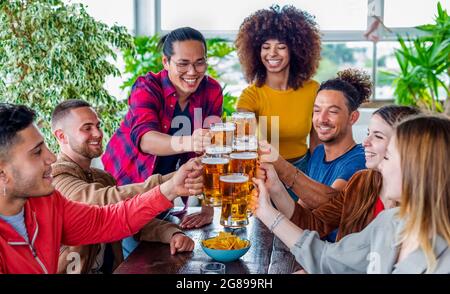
(51, 51)
(424, 61)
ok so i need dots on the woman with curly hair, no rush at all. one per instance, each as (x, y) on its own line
(279, 50)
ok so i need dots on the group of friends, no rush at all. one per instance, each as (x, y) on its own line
(382, 206)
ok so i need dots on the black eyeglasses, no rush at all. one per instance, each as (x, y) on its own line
(200, 66)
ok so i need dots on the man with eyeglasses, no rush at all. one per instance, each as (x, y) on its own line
(167, 118)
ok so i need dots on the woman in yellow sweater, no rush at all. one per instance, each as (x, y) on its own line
(279, 50)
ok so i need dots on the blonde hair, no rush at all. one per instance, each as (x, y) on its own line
(423, 143)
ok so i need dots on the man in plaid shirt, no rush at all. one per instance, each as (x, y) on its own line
(167, 118)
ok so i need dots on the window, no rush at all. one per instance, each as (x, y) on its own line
(411, 13)
(337, 56)
(119, 12)
(342, 23)
(386, 62)
(219, 15)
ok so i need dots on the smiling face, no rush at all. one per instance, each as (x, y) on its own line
(275, 56)
(331, 118)
(187, 66)
(28, 169)
(377, 140)
(82, 133)
(391, 170)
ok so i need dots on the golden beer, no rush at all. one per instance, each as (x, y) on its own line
(222, 134)
(244, 163)
(246, 126)
(234, 189)
(213, 168)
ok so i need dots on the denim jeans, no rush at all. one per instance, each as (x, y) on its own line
(130, 244)
(302, 165)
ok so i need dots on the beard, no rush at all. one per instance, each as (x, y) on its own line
(84, 150)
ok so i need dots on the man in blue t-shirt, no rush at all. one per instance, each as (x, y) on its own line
(335, 112)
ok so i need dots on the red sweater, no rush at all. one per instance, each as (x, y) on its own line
(54, 220)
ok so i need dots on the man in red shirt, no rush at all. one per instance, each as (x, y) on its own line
(35, 219)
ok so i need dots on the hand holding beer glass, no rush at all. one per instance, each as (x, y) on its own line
(230, 164)
(234, 188)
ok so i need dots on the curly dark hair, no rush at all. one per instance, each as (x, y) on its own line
(355, 84)
(295, 27)
(13, 119)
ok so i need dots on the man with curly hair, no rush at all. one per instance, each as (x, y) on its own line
(279, 50)
(335, 161)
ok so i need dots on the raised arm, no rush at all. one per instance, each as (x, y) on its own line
(316, 256)
(160, 144)
(311, 193)
(78, 190)
(84, 224)
(323, 219)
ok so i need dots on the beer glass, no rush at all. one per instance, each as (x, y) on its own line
(246, 126)
(213, 167)
(245, 163)
(234, 189)
(222, 134)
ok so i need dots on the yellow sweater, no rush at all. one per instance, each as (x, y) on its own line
(294, 110)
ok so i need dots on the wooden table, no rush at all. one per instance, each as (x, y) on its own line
(267, 253)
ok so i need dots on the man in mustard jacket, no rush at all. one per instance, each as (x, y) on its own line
(76, 126)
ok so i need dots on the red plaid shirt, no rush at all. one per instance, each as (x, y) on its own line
(151, 106)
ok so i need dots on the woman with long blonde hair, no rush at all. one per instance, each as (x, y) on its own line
(413, 238)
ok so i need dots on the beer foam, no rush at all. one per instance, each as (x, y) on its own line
(214, 150)
(234, 178)
(215, 160)
(245, 146)
(227, 127)
(244, 155)
(243, 115)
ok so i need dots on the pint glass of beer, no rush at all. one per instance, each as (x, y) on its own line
(222, 134)
(246, 126)
(213, 167)
(234, 189)
(245, 163)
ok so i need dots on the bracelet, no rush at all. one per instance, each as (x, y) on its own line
(297, 171)
(277, 220)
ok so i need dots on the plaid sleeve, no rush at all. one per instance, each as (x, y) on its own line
(217, 103)
(145, 105)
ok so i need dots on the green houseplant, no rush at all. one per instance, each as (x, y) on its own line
(51, 51)
(424, 64)
(146, 57)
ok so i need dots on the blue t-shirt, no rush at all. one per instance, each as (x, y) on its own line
(343, 167)
(18, 223)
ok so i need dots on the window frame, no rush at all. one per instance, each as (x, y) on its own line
(375, 7)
